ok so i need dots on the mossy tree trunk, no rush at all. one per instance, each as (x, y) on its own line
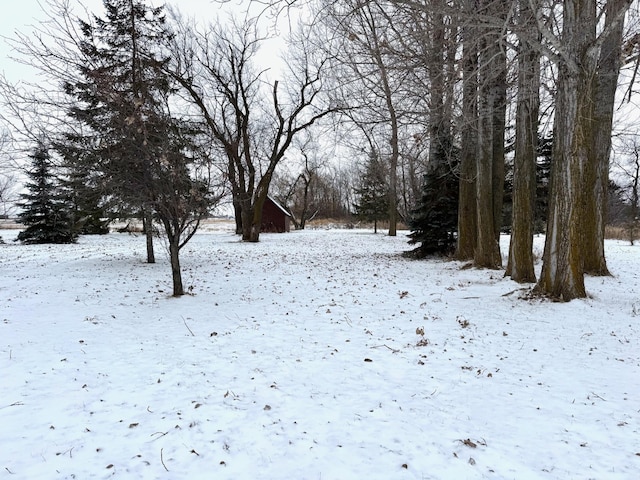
(467, 230)
(520, 266)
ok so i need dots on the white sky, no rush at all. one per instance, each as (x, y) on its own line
(23, 14)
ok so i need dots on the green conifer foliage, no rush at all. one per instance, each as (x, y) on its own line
(373, 194)
(433, 223)
(46, 211)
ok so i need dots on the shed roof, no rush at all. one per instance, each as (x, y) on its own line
(280, 207)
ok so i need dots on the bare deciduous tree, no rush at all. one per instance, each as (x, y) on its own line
(578, 53)
(253, 121)
(520, 265)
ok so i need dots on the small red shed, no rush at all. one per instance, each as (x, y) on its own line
(275, 219)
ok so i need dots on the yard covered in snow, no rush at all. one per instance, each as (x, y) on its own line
(303, 357)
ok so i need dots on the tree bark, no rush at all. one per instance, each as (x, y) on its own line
(490, 147)
(572, 224)
(606, 86)
(563, 268)
(147, 226)
(520, 266)
(176, 273)
(467, 217)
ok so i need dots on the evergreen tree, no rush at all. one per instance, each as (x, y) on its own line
(88, 203)
(543, 176)
(433, 223)
(121, 93)
(139, 153)
(46, 210)
(543, 173)
(373, 194)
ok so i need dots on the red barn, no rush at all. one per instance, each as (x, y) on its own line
(275, 219)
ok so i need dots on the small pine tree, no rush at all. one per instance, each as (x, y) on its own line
(46, 212)
(434, 221)
(373, 194)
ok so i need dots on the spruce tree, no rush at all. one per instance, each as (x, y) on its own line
(46, 211)
(121, 92)
(140, 153)
(88, 203)
(373, 194)
(434, 220)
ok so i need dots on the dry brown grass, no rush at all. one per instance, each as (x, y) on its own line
(344, 223)
(621, 233)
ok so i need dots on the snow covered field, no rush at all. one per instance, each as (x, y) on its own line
(302, 357)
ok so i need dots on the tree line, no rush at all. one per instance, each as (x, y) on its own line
(442, 100)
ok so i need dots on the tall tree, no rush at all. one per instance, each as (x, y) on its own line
(252, 126)
(370, 83)
(520, 264)
(569, 223)
(146, 156)
(119, 92)
(606, 85)
(467, 208)
(491, 128)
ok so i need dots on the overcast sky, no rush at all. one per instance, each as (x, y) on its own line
(21, 15)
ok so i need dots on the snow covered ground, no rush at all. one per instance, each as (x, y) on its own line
(302, 357)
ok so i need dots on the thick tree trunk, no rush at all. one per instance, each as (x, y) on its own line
(563, 268)
(520, 266)
(499, 94)
(237, 215)
(490, 150)
(606, 85)
(467, 230)
(246, 214)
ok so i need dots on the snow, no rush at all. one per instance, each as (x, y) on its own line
(301, 357)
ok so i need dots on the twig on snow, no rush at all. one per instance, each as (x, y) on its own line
(598, 396)
(387, 346)
(185, 324)
(162, 461)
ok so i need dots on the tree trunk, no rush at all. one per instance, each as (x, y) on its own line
(147, 226)
(606, 85)
(490, 148)
(246, 214)
(237, 215)
(520, 265)
(635, 197)
(563, 268)
(499, 94)
(176, 272)
(467, 231)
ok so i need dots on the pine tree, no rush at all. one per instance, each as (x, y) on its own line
(120, 94)
(46, 210)
(141, 154)
(373, 194)
(433, 223)
(88, 203)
